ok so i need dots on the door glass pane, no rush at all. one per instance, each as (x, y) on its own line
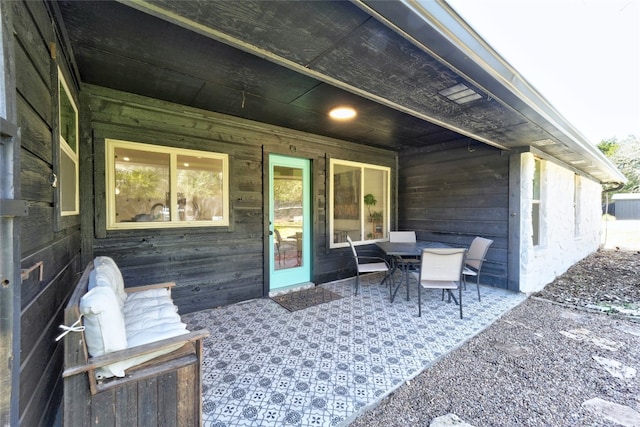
(288, 218)
(142, 186)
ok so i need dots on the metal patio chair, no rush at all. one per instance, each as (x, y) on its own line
(473, 262)
(441, 269)
(371, 265)
(282, 245)
(405, 237)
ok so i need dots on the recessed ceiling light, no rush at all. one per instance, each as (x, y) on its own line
(342, 113)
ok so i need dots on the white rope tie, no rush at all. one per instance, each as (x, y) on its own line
(73, 328)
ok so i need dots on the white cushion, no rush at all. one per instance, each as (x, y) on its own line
(134, 361)
(157, 333)
(104, 326)
(107, 273)
(150, 319)
(166, 309)
(137, 306)
(149, 293)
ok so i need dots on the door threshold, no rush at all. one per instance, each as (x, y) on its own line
(292, 288)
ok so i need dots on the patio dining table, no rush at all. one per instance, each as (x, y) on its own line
(403, 249)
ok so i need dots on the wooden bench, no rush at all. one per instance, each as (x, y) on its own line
(166, 390)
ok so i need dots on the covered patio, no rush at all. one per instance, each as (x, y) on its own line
(463, 144)
(323, 365)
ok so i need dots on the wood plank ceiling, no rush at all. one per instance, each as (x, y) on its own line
(287, 63)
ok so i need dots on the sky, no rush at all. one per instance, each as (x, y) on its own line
(583, 56)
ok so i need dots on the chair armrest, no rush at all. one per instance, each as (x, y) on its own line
(374, 258)
(128, 353)
(466, 261)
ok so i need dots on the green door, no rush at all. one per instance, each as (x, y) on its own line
(289, 221)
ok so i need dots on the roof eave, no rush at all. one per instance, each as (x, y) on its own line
(438, 29)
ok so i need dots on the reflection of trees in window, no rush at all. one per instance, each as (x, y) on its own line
(287, 195)
(140, 189)
(200, 184)
(287, 191)
(140, 183)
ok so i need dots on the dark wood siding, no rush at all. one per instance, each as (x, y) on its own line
(212, 266)
(454, 192)
(56, 245)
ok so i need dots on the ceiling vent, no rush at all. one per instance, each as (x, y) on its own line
(543, 142)
(460, 94)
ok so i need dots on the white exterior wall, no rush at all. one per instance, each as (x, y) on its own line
(561, 243)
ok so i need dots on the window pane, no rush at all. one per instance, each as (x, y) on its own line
(142, 186)
(535, 221)
(347, 200)
(577, 215)
(200, 188)
(68, 183)
(375, 198)
(536, 180)
(360, 197)
(67, 120)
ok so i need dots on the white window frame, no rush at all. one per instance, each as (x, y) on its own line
(363, 210)
(537, 229)
(577, 205)
(65, 149)
(174, 222)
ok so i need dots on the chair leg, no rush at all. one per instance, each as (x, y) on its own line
(357, 282)
(460, 296)
(386, 278)
(464, 280)
(419, 300)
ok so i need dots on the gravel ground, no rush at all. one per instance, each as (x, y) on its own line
(577, 340)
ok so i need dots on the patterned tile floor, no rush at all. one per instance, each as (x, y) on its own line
(266, 366)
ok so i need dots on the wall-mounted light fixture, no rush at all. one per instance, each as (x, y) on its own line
(342, 113)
